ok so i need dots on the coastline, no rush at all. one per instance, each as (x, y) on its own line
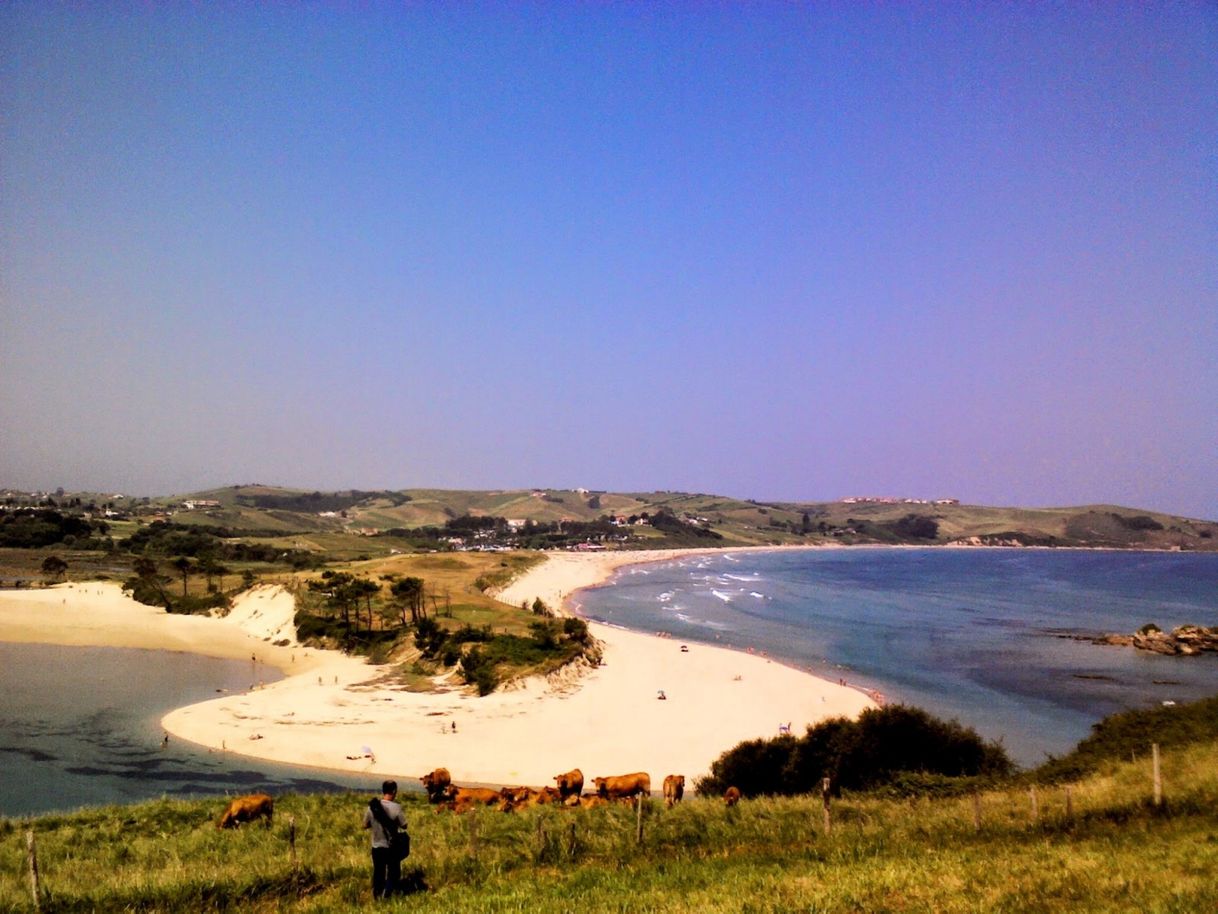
(330, 707)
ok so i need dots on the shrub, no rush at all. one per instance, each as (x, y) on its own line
(1117, 735)
(478, 670)
(874, 750)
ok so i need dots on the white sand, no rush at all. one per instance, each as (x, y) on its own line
(606, 721)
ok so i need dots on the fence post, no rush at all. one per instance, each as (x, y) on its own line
(32, 856)
(292, 840)
(638, 834)
(824, 793)
(1158, 781)
(976, 811)
(541, 838)
(473, 834)
(1035, 805)
(572, 843)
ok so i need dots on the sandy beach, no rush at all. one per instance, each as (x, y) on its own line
(329, 707)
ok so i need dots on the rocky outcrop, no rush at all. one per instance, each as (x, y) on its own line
(1187, 640)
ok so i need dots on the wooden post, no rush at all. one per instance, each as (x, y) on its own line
(572, 843)
(638, 834)
(473, 834)
(541, 838)
(976, 811)
(1069, 807)
(1158, 781)
(32, 856)
(824, 793)
(292, 840)
(1035, 805)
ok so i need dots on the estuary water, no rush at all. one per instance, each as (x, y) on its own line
(983, 636)
(79, 726)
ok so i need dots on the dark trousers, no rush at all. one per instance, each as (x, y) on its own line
(386, 872)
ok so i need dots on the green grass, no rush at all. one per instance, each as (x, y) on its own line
(1116, 853)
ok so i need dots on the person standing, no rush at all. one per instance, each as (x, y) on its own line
(385, 818)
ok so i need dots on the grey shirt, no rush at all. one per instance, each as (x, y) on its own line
(394, 811)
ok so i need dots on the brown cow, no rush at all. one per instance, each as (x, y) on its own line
(435, 783)
(518, 797)
(623, 785)
(571, 783)
(674, 789)
(732, 796)
(591, 801)
(462, 799)
(247, 809)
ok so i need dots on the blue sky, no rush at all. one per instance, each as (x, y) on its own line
(777, 251)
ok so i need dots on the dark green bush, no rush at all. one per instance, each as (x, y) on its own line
(873, 750)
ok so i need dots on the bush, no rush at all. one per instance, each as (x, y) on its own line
(478, 670)
(876, 749)
(916, 527)
(1117, 735)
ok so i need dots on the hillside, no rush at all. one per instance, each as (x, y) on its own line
(737, 521)
(351, 523)
(1096, 845)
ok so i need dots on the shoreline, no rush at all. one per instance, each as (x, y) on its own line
(330, 707)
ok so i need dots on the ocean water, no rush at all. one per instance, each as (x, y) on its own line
(981, 636)
(79, 726)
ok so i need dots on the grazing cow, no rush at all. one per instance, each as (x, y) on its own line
(732, 796)
(570, 784)
(674, 789)
(247, 809)
(623, 785)
(435, 783)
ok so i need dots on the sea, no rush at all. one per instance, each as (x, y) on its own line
(989, 637)
(80, 726)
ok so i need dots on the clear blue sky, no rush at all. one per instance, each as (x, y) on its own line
(771, 250)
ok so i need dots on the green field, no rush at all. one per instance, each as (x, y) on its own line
(1115, 852)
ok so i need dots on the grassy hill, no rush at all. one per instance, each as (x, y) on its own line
(710, 520)
(1111, 851)
(737, 521)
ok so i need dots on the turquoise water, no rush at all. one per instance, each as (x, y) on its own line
(79, 726)
(978, 635)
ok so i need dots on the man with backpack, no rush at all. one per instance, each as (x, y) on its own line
(390, 841)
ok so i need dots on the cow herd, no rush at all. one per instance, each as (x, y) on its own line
(568, 792)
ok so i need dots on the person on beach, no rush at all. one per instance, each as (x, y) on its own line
(385, 818)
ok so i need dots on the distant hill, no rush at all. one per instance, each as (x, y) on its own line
(736, 521)
(545, 518)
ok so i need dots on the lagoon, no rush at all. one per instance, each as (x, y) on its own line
(79, 726)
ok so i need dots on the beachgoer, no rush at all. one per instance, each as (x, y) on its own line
(386, 864)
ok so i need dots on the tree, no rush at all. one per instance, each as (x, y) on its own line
(409, 594)
(148, 585)
(365, 589)
(184, 567)
(54, 567)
